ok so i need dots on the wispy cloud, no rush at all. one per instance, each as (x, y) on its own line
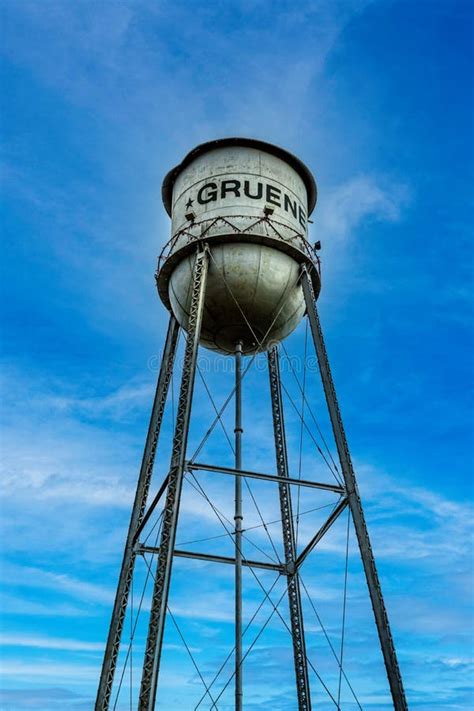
(29, 577)
(359, 201)
(60, 643)
(48, 670)
(104, 98)
(20, 605)
(417, 524)
(36, 698)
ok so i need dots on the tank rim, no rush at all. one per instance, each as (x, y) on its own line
(163, 274)
(271, 148)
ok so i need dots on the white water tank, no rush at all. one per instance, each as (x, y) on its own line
(249, 201)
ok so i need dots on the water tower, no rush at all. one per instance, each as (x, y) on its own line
(237, 276)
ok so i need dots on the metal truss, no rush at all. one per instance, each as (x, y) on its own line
(354, 501)
(289, 543)
(154, 642)
(172, 485)
(138, 510)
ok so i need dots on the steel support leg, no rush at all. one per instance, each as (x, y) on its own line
(294, 594)
(151, 663)
(380, 613)
(128, 562)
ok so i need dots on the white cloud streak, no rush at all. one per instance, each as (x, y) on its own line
(59, 643)
(359, 200)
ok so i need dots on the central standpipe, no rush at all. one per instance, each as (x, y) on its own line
(238, 527)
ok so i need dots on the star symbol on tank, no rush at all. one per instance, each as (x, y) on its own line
(189, 203)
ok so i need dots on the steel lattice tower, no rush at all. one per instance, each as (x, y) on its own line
(242, 225)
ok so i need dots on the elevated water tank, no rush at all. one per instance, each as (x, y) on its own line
(249, 201)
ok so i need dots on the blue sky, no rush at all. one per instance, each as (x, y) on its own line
(99, 100)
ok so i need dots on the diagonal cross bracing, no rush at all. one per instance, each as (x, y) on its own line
(322, 531)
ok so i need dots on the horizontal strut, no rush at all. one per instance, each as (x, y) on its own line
(216, 558)
(324, 529)
(194, 466)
